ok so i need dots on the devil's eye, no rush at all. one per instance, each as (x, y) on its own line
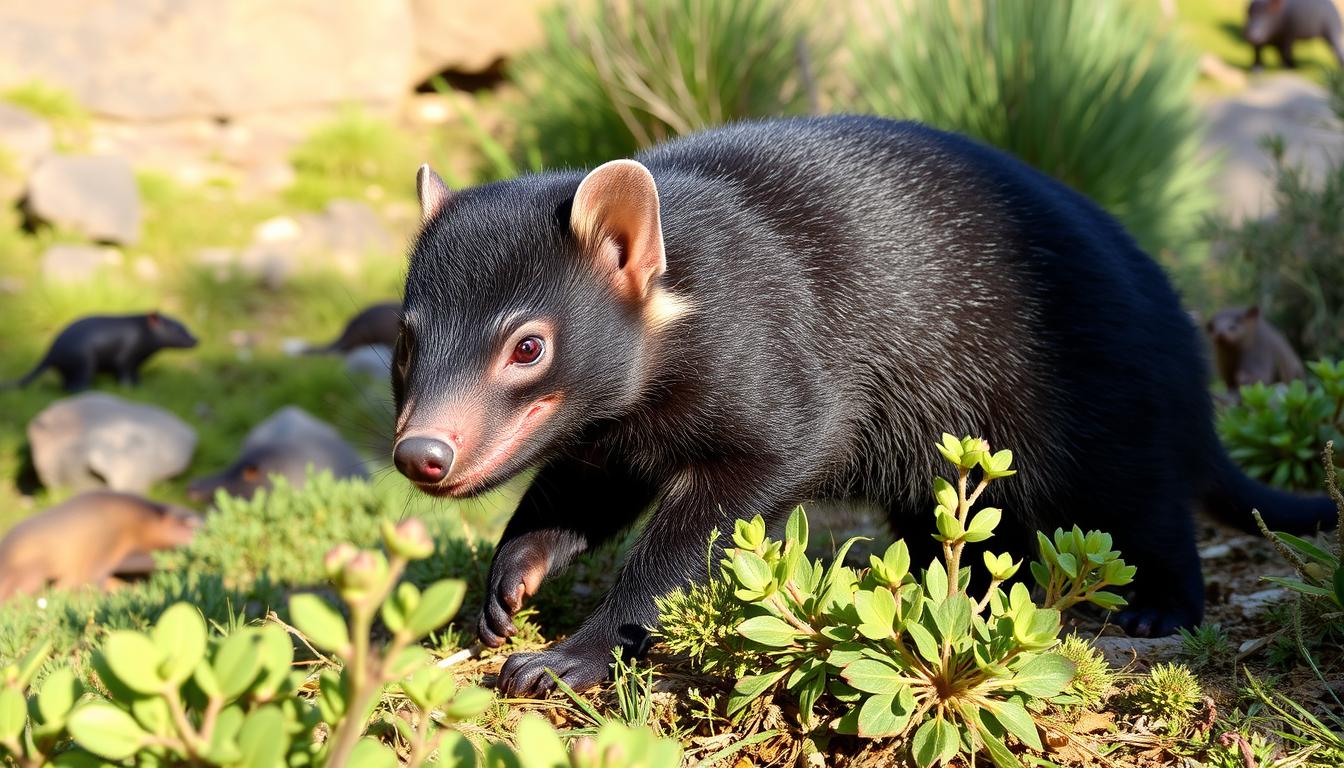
(527, 351)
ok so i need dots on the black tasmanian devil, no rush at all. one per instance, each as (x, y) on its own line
(755, 316)
(118, 345)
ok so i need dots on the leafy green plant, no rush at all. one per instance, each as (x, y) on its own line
(619, 76)
(1275, 433)
(1169, 694)
(1320, 574)
(176, 695)
(68, 118)
(884, 652)
(1096, 94)
(1321, 740)
(1206, 645)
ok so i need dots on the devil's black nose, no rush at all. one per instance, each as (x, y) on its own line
(423, 459)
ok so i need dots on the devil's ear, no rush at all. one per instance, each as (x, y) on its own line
(1252, 312)
(432, 191)
(153, 317)
(615, 217)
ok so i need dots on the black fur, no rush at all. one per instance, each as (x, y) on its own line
(858, 286)
(1280, 23)
(374, 325)
(116, 345)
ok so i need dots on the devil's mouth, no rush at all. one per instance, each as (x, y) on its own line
(478, 478)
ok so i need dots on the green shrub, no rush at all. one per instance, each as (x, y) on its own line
(1292, 263)
(1320, 574)
(883, 652)
(1206, 645)
(1275, 433)
(177, 696)
(1095, 94)
(619, 76)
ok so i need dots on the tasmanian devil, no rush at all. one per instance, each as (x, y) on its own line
(1280, 23)
(1248, 350)
(116, 345)
(374, 325)
(87, 539)
(759, 315)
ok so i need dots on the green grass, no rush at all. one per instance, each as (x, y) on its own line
(68, 118)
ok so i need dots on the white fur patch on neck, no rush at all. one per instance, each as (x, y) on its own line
(664, 308)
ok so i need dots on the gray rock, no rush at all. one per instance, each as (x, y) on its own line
(1121, 651)
(92, 194)
(288, 443)
(76, 263)
(370, 362)
(1256, 603)
(144, 60)
(96, 440)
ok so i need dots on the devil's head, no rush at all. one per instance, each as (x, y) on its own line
(527, 319)
(1263, 20)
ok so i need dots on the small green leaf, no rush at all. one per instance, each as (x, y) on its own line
(751, 571)
(437, 605)
(949, 527)
(873, 676)
(105, 730)
(1016, 720)
(983, 524)
(1339, 586)
(1043, 676)
(751, 687)
(768, 631)
(371, 753)
(1068, 564)
(468, 703)
(261, 739)
(30, 663)
(924, 642)
(796, 529)
(180, 636)
(237, 662)
(331, 696)
(945, 494)
(998, 751)
(134, 660)
(276, 653)
(545, 749)
(224, 738)
(59, 693)
(935, 582)
(13, 713)
(936, 741)
(319, 622)
(885, 715)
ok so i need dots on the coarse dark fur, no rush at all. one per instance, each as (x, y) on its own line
(293, 459)
(851, 288)
(374, 325)
(1281, 23)
(117, 345)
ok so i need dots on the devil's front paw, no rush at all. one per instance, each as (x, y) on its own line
(1156, 620)
(581, 665)
(515, 575)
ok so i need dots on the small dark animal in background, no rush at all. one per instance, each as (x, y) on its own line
(775, 312)
(1248, 350)
(109, 344)
(1280, 23)
(287, 444)
(87, 539)
(373, 326)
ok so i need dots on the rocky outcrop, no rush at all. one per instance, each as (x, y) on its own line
(95, 195)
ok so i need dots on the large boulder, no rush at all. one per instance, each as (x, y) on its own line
(471, 35)
(97, 440)
(92, 194)
(161, 59)
(290, 443)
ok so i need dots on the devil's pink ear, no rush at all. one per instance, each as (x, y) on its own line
(153, 317)
(432, 191)
(615, 216)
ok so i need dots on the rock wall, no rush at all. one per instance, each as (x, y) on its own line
(150, 60)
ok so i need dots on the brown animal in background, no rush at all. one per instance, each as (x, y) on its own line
(1248, 350)
(87, 539)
